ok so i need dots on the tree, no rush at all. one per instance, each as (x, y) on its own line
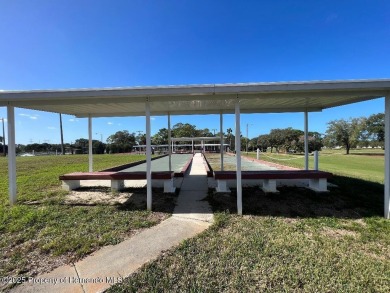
(290, 139)
(161, 137)
(344, 133)
(120, 142)
(315, 142)
(184, 130)
(276, 139)
(81, 146)
(375, 127)
(252, 145)
(229, 136)
(263, 142)
(204, 133)
(98, 147)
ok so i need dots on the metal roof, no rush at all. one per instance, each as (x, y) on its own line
(265, 97)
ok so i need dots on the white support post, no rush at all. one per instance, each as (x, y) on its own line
(90, 155)
(222, 142)
(316, 160)
(192, 146)
(169, 142)
(387, 157)
(306, 141)
(148, 159)
(238, 158)
(258, 154)
(11, 155)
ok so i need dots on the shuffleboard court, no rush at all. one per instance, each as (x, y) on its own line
(162, 164)
(229, 163)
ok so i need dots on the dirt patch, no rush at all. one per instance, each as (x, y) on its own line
(94, 196)
(134, 198)
(360, 222)
(338, 233)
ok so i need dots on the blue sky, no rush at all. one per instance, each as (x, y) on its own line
(81, 44)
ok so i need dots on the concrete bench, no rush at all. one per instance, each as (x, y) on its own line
(317, 179)
(72, 181)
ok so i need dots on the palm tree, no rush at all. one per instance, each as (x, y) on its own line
(229, 131)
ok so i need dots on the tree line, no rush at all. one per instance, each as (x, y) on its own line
(356, 132)
(351, 133)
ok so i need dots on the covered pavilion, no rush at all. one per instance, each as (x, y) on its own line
(203, 142)
(275, 97)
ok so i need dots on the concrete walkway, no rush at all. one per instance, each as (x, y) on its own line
(110, 264)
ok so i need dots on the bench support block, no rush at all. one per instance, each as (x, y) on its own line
(69, 185)
(319, 185)
(117, 185)
(168, 186)
(222, 186)
(269, 186)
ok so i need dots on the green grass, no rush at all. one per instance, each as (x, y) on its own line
(295, 241)
(270, 254)
(364, 164)
(41, 229)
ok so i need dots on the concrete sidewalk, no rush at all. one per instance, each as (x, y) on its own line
(111, 264)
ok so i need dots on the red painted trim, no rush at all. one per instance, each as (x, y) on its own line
(273, 174)
(115, 175)
(185, 168)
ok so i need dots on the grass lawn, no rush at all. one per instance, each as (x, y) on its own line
(40, 232)
(363, 164)
(295, 241)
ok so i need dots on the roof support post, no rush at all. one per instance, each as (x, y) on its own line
(169, 143)
(11, 154)
(221, 141)
(148, 158)
(238, 158)
(306, 141)
(90, 149)
(387, 157)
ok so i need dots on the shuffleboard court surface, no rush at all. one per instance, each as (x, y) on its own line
(162, 164)
(230, 163)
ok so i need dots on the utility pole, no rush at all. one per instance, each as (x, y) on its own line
(101, 136)
(2, 119)
(62, 137)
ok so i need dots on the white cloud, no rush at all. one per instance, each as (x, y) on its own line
(51, 127)
(33, 117)
(152, 118)
(110, 123)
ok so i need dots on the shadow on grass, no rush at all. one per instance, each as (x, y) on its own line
(368, 154)
(161, 202)
(353, 198)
